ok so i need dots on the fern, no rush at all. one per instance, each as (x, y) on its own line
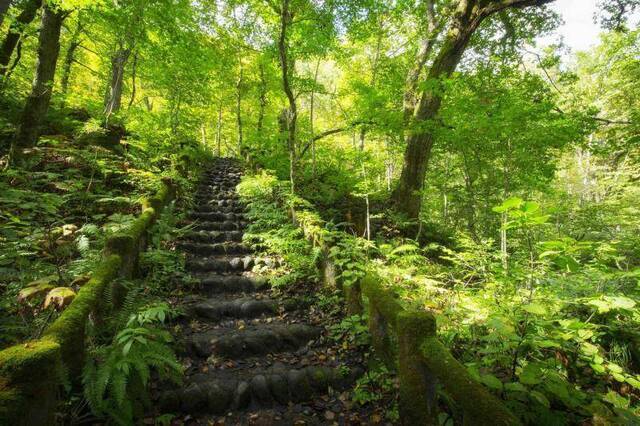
(116, 376)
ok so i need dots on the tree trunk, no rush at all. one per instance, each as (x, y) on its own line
(14, 34)
(113, 100)
(38, 101)
(239, 85)
(374, 77)
(70, 55)
(311, 119)
(4, 6)
(290, 116)
(424, 50)
(263, 103)
(14, 64)
(134, 75)
(203, 133)
(219, 131)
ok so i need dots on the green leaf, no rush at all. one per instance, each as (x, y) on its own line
(127, 347)
(515, 387)
(614, 368)
(405, 248)
(540, 398)
(616, 400)
(508, 204)
(531, 374)
(535, 309)
(633, 382)
(491, 381)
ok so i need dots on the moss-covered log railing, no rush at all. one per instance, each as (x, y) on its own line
(406, 341)
(32, 373)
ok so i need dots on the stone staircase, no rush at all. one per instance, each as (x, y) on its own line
(251, 358)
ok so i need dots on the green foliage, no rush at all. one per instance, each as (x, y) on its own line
(117, 376)
(353, 329)
(272, 230)
(374, 386)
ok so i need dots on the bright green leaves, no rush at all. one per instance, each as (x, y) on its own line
(609, 303)
(521, 213)
(535, 309)
(116, 374)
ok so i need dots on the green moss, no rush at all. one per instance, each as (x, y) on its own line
(28, 361)
(165, 194)
(417, 397)
(383, 310)
(69, 329)
(353, 298)
(29, 375)
(480, 407)
(384, 299)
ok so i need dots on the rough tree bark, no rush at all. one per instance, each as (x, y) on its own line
(70, 55)
(134, 76)
(289, 117)
(239, 86)
(311, 118)
(38, 101)
(119, 60)
(219, 131)
(113, 99)
(4, 6)
(26, 16)
(467, 17)
(262, 103)
(424, 51)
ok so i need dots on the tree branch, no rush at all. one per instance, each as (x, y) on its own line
(489, 7)
(329, 133)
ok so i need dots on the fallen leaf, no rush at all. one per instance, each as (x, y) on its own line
(59, 297)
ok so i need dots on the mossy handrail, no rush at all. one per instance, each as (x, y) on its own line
(31, 373)
(406, 341)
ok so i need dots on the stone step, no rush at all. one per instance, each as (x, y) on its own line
(241, 308)
(227, 225)
(252, 341)
(208, 208)
(222, 393)
(213, 236)
(212, 198)
(229, 193)
(217, 284)
(205, 249)
(216, 187)
(216, 216)
(221, 264)
(222, 202)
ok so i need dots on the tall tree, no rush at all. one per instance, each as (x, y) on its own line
(69, 57)
(289, 116)
(16, 29)
(466, 18)
(130, 14)
(37, 103)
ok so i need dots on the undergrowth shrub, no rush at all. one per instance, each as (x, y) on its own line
(116, 376)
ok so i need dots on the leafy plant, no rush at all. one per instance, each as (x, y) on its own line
(116, 376)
